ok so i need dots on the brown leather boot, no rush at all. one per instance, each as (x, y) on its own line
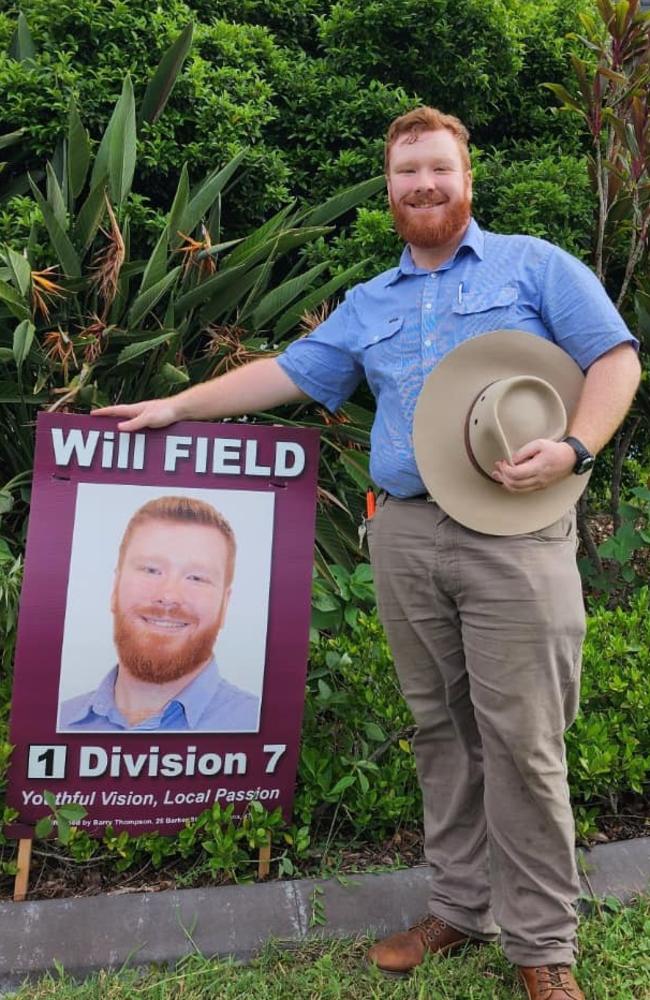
(398, 954)
(550, 982)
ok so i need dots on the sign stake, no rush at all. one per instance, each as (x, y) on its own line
(21, 884)
(264, 861)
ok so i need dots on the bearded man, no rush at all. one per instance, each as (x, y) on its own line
(486, 631)
(170, 596)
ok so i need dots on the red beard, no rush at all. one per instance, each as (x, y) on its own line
(155, 658)
(451, 221)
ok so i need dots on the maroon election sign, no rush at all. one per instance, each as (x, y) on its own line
(164, 621)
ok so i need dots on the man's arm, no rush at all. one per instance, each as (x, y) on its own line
(259, 385)
(608, 391)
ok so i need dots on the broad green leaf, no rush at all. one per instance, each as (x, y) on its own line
(207, 192)
(22, 46)
(143, 347)
(173, 375)
(374, 732)
(20, 269)
(259, 237)
(11, 138)
(10, 297)
(55, 197)
(122, 150)
(230, 295)
(343, 202)
(10, 393)
(280, 297)
(148, 299)
(78, 151)
(23, 338)
(313, 299)
(162, 82)
(179, 206)
(43, 827)
(63, 248)
(90, 215)
(157, 263)
(72, 811)
(564, 96)
(345, 782)
(6, 354)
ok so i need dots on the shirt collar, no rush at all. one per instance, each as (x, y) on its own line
(474, 240)
(193, 698)
(199, 692)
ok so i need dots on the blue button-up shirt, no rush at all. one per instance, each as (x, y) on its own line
(208, 704)
(395, 328)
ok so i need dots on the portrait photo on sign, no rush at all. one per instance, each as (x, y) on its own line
(167, 610)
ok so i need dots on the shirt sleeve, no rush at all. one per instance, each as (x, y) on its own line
(322, 363)
(578, 311)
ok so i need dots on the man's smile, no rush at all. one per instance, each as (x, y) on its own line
(167, 624)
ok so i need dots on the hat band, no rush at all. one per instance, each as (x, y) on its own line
(468, 443)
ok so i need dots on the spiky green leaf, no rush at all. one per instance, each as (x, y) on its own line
(148, 299)
(143, 347)
(78, 151)
(207, 290)
(162, 82)
(20, 269)
(356, 465)
(259, 237)
(230, 295)
(314, 299)
(90, 215)
(14, 303)
(179, 207)
(23, 339)
(122, 151)
(343, 202)
(10, 392)
(202, 201)
(22, 46)
(55, 197)
(11, 138)
(157, 263)
(68, 257)
(280, 297)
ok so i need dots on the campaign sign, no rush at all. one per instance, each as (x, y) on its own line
(164, 621)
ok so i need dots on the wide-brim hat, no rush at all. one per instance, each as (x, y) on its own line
(485, 400)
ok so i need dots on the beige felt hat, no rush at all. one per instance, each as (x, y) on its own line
(485, 400)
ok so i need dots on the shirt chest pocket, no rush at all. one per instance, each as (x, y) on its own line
(498, 301)
(381, 348)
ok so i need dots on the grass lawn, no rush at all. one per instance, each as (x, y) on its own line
(614, 965)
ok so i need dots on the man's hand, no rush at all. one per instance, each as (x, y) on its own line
(535, 466)
(148, 413)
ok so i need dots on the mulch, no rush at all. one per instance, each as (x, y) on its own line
(53, 876)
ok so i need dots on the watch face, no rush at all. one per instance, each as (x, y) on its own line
(584, 465)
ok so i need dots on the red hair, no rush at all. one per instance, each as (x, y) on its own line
(425, 119)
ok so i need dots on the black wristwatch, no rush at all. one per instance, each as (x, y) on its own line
(584, 459)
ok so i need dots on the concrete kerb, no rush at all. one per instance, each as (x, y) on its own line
(110, 931)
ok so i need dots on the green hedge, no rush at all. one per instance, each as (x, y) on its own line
(357, 782)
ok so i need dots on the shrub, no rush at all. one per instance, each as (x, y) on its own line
(608, 747)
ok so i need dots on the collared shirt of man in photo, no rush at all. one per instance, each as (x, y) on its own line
(169, 601)
(486, 631)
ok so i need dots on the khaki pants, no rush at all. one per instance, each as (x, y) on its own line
(486, 633)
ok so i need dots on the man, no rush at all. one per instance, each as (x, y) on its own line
(170, 596)
(490, 706)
